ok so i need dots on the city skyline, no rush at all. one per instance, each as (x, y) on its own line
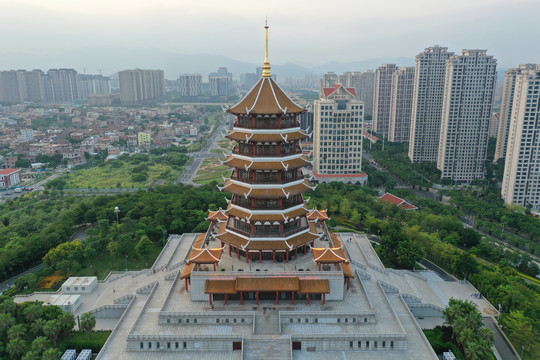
(389, 29)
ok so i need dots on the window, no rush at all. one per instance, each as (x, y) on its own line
(367, 344)
(176, 345)
(194, 321)
(185, 344)
(76, 288)
(149, 345)
(217, 321)
(392, 344)
(157, 345)
(227, 321)
(168, 345)
(351, 344)
(234, 321)
(384, 344)
(179, 321)
(291, 320)
(168, 321)
(187, 321)
(141, 345)
(242, 321)
(83, 288)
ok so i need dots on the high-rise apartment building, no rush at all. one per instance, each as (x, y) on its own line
(93, 85)
(61, 86)
(427, 104)
(219, 86)
(12, 89)
(521, 181)
(363, 83)
(138, 86)
(466, 112)
(328, 81)
(190, 84)
(382, 94)
(337, 136)
(399, 128)
(506, 108)
(248, 80)
(35, 87)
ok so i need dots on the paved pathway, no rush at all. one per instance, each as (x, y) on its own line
(503, 347)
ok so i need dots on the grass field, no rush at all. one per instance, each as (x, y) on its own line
(111, 176)
(105, 263)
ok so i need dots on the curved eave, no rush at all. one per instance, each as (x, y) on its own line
(232, 161)
(283, 192)
(255, 245)
(266, 98)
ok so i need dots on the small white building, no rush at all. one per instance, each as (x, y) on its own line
(66, 302)
(79, 285)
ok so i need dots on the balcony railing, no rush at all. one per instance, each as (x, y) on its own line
(262, 153)
(277, 236)
(249, 179)
(286, 204)
(266, 124)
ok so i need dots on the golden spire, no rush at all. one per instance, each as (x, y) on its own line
(266, 66)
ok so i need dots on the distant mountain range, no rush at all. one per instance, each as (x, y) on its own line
(112, 59)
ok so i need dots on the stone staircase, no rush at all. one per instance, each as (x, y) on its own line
(267, 322)
(267, 348)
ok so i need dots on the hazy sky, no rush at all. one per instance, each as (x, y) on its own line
(301, 31)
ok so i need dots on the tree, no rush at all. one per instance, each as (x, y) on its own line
(88, 322)
(112, 248)
(17, 332)
(36, 327)
(143, 248)
(408, 253)
(51, 354)
(519, 330)
(8, 306)
(465, 263)
(16, 348)
(67, 322)
(52, 330)
(40, 345)
(6, 321)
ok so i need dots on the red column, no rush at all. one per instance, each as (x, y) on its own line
(279, 122)
(253, 203)
(292, 298)
(241, 298)
(238, 253)
(304, 249)
(296, 253)
(281, 228)
(287, 256)
(348, 283)
(210, 296)
(260, 256)
(277, 298)
(280, 176)
(222, 244)
(274, 256)
(230, 249)
(254, 123)
(186, 285)
(225, 299)
(308, 298)
(257, 296)
(313, 243)
(247, 256)
(324, 299)
(253, 178)
(319, 266)
(214, 266)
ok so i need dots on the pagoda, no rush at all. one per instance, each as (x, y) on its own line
(267, 214)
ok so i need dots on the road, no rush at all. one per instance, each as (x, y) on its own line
(9, 282)
(500, 342)
(191, 170)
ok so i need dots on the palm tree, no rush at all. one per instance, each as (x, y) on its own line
(67, 322)
(37, 327)
(88, 322)
(8, 306)
(52, 330)
(40, 345)
(51, 354)
(16, 348)
(17, 332)
(32, 312)
(6, 321)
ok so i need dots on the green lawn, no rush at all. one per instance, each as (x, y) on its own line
(105, 263)
(106, 177)
(80, 340)
(217, 151)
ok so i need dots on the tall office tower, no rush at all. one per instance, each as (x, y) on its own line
(12, 89)
(62, 85)
(521, 180)
(138, 86)
(93, 85)
(337, 136)
(35, 88)
(399, 128)
(190, 84)
(506, 108)
(219, 86)
(382, 94)
(466, 112)
(427, 103)
(328, 81)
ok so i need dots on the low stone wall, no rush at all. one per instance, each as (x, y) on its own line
(206, 318)
(327, 317)
(351, 342)
(179, 343)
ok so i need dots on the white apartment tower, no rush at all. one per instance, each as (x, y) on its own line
(427, 103)
(521, 181)
(138, 86)
(382, 94)
(337, 136)
(466, 113)
(190, 84)
(401, 99)
(506, 108)
(328, 81)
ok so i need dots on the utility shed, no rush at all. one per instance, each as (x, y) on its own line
(79, 285)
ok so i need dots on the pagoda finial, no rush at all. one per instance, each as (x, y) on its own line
(266, 66)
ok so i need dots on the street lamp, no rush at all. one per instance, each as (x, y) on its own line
(117, 210)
